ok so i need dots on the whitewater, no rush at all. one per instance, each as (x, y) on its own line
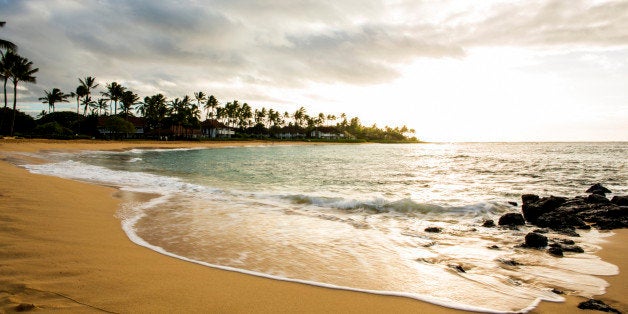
(354, 216)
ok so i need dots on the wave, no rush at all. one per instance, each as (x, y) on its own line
(127, 180)
(404, 206)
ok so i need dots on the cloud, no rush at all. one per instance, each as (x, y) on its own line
(282, 43)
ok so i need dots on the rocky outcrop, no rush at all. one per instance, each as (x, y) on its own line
(565, 215)
(511, 219)
(598, 189)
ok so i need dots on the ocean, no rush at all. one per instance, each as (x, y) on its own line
(354, 216)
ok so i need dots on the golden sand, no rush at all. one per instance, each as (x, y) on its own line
(63, 250)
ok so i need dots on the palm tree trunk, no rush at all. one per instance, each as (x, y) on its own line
(5, 92)
(14, 106)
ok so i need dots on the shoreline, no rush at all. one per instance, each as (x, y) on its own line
(65, 250)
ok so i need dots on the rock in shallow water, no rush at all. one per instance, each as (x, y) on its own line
(597, 305)
(488, 223)
(433, 229)
(511, 219)
(535, 240)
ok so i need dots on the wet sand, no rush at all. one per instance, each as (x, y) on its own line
(63, 249)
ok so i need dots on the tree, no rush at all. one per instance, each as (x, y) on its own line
(52, 97)
(154, 109)
(5, 44)
(210, 106)
(113, 93)
(80, 93)
(128, 100)
(101, 104)
(88, 84)
(21, 71)
(6, 64)
(200, 97)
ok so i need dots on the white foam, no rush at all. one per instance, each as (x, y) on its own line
(127, 180)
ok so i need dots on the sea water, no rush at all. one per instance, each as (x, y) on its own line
(354, 216)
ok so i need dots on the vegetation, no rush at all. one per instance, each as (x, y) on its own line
(121, 113)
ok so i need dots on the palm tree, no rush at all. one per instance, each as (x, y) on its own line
(87, 102)
(200, 97)
(80, 93)
(128, 100)
(298, 116)
(52, 97)
(21, 71)
(88, 84)
(114, 92)
(210, 106)
(7, 61)
(102, 105)
(5, 44)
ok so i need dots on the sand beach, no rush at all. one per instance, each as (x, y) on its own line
(62, 249)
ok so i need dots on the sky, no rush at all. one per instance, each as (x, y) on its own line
(487, 70)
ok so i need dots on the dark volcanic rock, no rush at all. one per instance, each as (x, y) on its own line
(598, 189)
(573, 248)
(529, 198)
(532, 210)
(558, 291)
(620, 200)
(541, 230)
(458, 268)
(432, 229)
(24, 307)
(509, 262)
(597, 305)
(488, 223)
(513, 203)
(556, 251)
(535, 240)
(513, 219)
(597, 198)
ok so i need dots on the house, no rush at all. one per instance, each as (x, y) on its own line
(326, 133)
(138, 123)
(213, 128)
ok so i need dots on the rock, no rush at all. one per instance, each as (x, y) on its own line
(532, 210)
(458, 268)
(509, 262)
(488, 223)
(566, 241)
(573, 248)
(23, 307)
(597, 305)
(598, 189)
(535, 240)
(620, 200)
(558, 291)
(597, 198)
(494, 247)
(529, 198)
(556, 251)
(513, 219)
(568, 232)
(558, 219)
(540, 231)
(513, 203)
(433, 229)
